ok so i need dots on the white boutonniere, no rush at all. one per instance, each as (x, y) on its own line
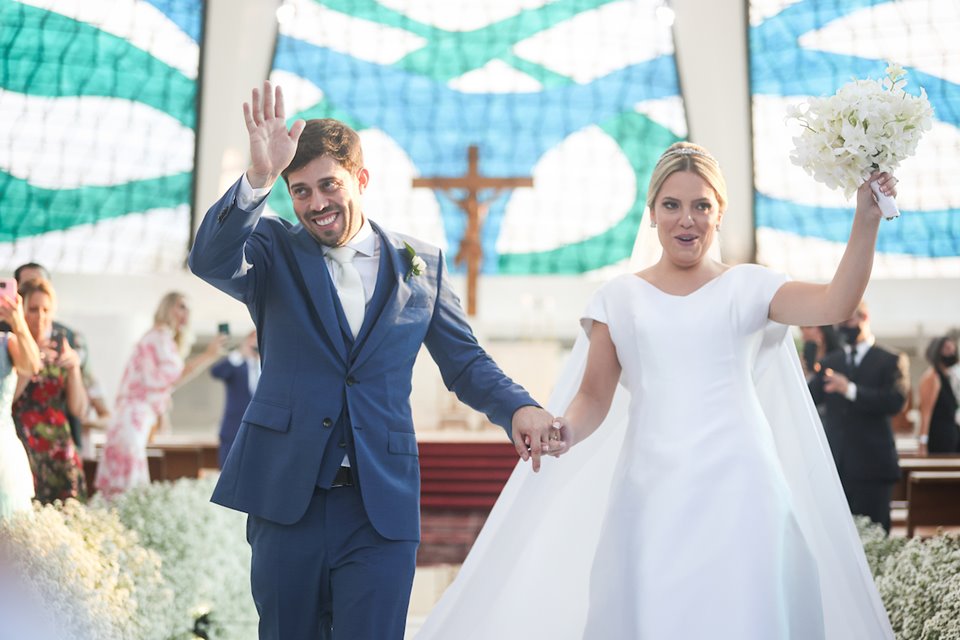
(417, 266)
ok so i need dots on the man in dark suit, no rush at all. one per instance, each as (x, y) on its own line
(326, 460)
(860, 388)
(240, 372)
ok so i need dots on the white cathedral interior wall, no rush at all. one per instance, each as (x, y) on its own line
(115, 310)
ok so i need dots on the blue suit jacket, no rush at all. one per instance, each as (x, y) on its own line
(310, 373)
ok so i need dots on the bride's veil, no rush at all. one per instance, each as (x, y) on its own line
(528, 574)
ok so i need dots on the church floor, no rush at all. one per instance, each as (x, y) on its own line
(429, 583)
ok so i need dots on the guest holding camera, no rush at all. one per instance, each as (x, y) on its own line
(240, 372)
(43, 401)
(77, 341)
(818, 341)
(154, 370)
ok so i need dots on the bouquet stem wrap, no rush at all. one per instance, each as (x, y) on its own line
(887, 204)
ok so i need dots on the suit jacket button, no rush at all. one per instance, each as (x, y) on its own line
(351, 381)
(327, 422)
(342, 445)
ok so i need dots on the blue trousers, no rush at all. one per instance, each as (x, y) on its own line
(330, 576)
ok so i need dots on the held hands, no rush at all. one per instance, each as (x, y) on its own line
(534, 435)
(272, 147)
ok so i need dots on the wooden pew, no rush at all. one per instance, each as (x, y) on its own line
(934, 501)
(180, 461)
(459, 484)
(169, 457)
(156, 466)
(909, 465)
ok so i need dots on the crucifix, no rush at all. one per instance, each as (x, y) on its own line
(473, 183)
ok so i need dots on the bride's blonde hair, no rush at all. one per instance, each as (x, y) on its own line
(686, 156)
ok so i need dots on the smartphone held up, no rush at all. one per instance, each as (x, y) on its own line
(8, 290)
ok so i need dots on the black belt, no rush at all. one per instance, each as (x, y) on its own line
(343, 478)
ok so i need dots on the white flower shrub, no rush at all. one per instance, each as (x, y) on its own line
(867, 125)
(204, 553)
(918, 580)
(877, 545)
(82, 575)
(919, 584)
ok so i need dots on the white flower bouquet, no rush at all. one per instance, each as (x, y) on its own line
(868, 125)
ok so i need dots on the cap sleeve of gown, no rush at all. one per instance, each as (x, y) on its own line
(758, 285)
(597, 308)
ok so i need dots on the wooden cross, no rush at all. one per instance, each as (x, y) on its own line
(471, 250)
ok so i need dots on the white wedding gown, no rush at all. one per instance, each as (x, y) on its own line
(16, 479)
(706, 506)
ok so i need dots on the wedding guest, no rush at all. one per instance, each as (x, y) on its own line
(44, 400)
(78, 343)
(154, 369)
(239, 372)
(860, 388)
(817, 343)
(939, 431)
(19, 356)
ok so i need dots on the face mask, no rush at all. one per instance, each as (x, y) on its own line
(949, 361)
(850, 334)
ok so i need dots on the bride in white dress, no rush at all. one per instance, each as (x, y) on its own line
(706, 504)
(18, 354)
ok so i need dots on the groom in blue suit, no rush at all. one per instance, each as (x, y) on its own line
(325, 462)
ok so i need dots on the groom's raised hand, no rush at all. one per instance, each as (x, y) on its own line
(272, 146)
(532, 428)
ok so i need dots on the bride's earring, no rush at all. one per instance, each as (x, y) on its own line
(718, 227)
(653, 223)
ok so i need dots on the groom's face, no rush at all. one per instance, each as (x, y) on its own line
(327, 200)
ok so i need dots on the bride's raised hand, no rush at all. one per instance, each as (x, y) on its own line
(272, 146)
(886, 185)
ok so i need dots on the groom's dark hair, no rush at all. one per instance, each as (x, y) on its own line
(327, 137)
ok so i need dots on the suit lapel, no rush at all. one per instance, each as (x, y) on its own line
(866, 364)
(316, 280)
(391, 291)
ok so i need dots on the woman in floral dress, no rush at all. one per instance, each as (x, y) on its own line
(43, 401)
(155, 368)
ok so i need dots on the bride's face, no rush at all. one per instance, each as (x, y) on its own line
(687, 214)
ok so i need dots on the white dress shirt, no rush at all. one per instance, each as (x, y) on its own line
(861, 349)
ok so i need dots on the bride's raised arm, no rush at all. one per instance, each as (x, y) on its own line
(809, 304)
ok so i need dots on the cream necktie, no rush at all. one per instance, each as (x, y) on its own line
(350, 287)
